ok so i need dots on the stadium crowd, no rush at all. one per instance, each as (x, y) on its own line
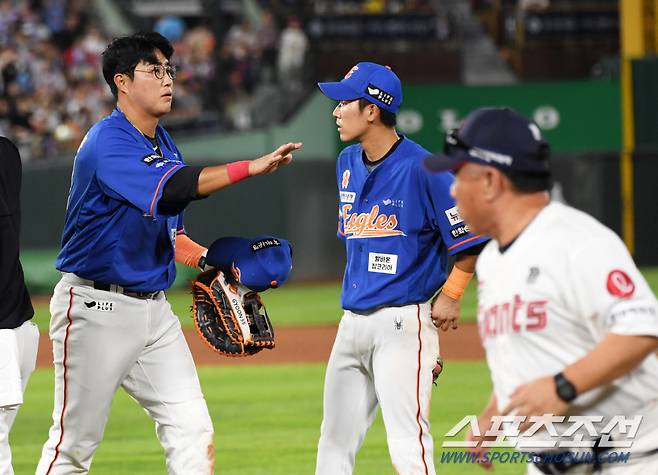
(52, 88)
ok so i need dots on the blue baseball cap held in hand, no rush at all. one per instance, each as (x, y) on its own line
(371, 81)
(495, 136)
(259, 263)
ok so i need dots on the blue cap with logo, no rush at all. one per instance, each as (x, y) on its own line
(495, 136)
(259, 263)
(374, 82)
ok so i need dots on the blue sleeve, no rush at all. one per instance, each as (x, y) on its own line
(127, 172)
(443, 214)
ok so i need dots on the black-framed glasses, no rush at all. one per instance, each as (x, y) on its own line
(159, 71)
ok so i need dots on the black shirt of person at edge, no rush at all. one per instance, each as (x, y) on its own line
(15, 305)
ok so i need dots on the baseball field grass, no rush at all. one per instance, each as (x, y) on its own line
(267, 421)
(266, 418)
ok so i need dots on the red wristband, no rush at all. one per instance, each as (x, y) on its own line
(237, 171)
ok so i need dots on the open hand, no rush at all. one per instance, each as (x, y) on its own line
(535, 398)
(271, 162)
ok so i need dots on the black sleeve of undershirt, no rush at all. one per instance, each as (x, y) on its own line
(179, 190)
(473, 251)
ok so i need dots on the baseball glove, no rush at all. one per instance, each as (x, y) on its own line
(230, 318)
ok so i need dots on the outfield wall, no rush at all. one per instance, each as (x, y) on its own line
(299, 203)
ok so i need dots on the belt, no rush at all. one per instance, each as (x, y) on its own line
(77, 280)
(120, 290)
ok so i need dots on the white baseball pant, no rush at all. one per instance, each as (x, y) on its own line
(384, 358)
(103, 340)
(17, 361)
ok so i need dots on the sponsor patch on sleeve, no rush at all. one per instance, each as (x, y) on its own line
(620, 284)
(453, 216)
(382, 263)
(459, 231)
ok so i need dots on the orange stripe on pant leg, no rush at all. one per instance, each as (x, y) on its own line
(420, 427)
(61, 418)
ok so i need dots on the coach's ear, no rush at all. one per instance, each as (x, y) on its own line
(494, 183)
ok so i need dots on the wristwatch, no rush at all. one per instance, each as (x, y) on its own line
(202, 263)
(564, 388)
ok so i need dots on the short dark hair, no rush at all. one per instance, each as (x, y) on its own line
(388, 118)
(525, 182)
(124, 53)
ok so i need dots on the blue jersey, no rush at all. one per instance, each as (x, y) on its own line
(399, 224)
(113, 232)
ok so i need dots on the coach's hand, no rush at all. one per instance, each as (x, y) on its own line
(270, 162)
(445, 312)
(535, 398)
(479, 452)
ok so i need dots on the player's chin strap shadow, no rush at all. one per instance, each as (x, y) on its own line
(438, 368)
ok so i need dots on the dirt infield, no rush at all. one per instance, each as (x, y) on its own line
(304, 345)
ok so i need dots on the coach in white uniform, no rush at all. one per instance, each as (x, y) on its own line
(568, 323)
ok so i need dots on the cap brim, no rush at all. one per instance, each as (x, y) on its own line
(338, 91)
(440, 162)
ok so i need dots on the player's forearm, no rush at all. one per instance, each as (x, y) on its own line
(188, 252)
(215, 178)
(460, 276)
(614, 357)
(491, 409)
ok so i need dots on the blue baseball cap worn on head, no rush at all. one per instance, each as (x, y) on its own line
(261, 263)
(371, 81)
(498, 137)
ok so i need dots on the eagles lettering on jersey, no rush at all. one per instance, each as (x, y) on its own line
(371, 224)
(399, 226)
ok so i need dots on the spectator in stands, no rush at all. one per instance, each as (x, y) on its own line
(292, 52)
(268, 37)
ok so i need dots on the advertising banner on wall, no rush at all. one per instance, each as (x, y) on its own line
(575, 116)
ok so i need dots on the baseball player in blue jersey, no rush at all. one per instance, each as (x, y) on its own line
(111, 324)
(399, 225)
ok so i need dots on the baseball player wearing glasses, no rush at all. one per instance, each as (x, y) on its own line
(568, 323)
(399, 225)
(111, 324)
(19, 336)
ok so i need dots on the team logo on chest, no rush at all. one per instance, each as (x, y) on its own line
(369, 225)
(346, 179)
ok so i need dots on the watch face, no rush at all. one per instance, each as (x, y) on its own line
(564, 388)
(567, 392)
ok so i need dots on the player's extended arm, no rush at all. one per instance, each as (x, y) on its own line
(615, 356)
(446, 306)
(217, 177)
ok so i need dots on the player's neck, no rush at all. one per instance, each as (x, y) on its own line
(142, 121)
(516, 215)
(378, 141)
